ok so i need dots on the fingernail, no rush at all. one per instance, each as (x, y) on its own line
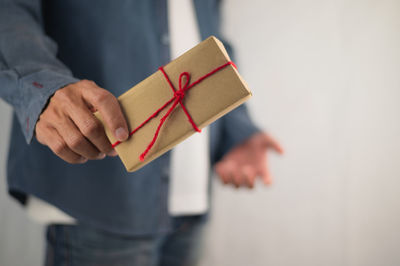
(82, 160)
(121, 134)
(100, 156)
(112, 153)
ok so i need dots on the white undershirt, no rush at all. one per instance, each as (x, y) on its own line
(190, 165)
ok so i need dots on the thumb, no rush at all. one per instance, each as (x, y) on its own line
(110, 110)
(274, 144)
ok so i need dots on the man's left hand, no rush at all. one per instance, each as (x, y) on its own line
(244, 163)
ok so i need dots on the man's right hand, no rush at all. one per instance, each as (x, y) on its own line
(70, 129)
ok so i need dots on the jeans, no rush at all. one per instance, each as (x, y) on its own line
(81, 245)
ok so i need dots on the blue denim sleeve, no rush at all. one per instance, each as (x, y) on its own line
(237, 128)
(30, 72)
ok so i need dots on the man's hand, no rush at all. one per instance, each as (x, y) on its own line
(244, 163)
(69, 128)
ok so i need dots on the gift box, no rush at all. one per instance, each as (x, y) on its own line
(177, 101)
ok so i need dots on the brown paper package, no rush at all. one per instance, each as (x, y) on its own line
(207, 101)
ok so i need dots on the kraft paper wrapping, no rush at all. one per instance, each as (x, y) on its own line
(207, 101)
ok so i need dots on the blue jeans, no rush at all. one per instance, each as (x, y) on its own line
(80, 245)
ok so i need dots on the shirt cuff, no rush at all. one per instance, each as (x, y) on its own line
(36, 89)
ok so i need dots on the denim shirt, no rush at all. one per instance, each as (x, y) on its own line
(46, 45)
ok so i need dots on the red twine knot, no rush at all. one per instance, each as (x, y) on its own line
(179, 95)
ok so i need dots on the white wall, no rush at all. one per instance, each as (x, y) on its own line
(325, 77)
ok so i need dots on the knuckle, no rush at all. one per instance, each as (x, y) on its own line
(44, 115)
(106, 148)
(39, 125)
(61, 98)
(102, 96)
(61, 94)
(91, 128)
(53, 114)
(40, 132)
(59, 147)
(87, 82)
(76, 142)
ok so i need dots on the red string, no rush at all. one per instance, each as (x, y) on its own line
(184, 80)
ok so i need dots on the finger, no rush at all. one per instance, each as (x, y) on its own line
(90, 127)
(266, 176)
(274, 144)
(112, 153)
(234, 173)
(221, 171)
(76, 141)
(240, 179)
(236, 178)
(61, 149)
(40, 132)
(109, 108)
(249, 174)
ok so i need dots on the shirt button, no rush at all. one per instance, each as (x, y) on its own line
(165, 39)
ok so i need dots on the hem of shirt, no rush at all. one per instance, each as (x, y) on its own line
(84, 220)
(199, 204)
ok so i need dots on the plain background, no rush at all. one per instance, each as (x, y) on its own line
(326, 81)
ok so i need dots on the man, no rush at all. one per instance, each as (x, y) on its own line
(59, 154)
